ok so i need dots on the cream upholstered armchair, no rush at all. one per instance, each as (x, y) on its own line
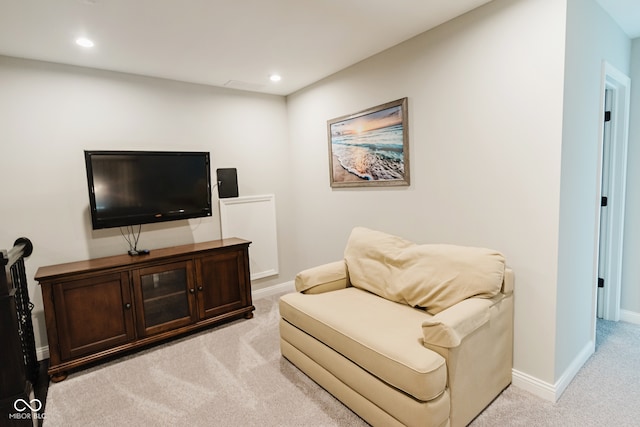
(404, 334)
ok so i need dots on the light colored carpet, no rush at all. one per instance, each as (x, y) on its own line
(606, 391)
(231, 375)
(234, 375)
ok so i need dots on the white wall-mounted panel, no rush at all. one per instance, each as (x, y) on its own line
(253, 218)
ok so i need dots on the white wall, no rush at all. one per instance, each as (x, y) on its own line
(630, 294)
(50, 113)
(496, 137)
(485, 111)
(592, 36)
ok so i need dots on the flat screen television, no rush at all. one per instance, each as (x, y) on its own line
(142, 187)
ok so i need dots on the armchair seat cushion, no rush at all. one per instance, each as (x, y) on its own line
(382, 337)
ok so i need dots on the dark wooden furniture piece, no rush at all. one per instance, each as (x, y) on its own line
(102, 307)
(18, 362)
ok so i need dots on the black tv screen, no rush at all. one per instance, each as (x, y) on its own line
(141, 187)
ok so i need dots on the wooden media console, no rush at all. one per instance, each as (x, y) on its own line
(105, 306)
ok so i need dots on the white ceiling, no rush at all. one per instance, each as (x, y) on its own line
(215, 41)
(235, 43)
(626, 13)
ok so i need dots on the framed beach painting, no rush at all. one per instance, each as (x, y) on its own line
(370, 148)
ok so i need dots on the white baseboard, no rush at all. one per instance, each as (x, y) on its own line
(533, 385)
(42, 352)
(552, 392)
(273, 290)
(630, 316)
(575, 366)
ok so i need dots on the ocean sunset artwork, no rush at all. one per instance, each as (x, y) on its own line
(370, 147)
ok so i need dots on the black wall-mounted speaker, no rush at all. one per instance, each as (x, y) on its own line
(227, 182)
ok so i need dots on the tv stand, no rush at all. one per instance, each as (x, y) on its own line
(103, 307)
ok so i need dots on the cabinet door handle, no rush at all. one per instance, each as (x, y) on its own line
(193, 291)
(200, 288)
(127, 305)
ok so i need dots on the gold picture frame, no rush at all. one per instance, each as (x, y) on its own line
(370, 148)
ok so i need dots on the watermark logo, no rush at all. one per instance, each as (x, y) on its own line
(22, 405)
(26, 410)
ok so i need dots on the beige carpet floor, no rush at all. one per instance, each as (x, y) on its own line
(233, 375)
(604, 393)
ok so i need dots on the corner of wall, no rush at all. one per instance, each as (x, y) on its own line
(552, 392)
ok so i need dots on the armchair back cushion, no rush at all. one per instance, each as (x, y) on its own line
(432, 277)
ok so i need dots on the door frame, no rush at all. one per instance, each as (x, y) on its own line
(619, 83)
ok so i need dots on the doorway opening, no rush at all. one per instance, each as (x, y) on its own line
(614, 131)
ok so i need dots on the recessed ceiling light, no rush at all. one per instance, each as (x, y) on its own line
(275, 78)
(84, 42)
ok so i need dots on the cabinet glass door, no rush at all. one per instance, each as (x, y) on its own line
(164, 291)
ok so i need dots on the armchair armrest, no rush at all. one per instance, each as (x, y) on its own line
(449, 327)
(323, 278)
(507, 284)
